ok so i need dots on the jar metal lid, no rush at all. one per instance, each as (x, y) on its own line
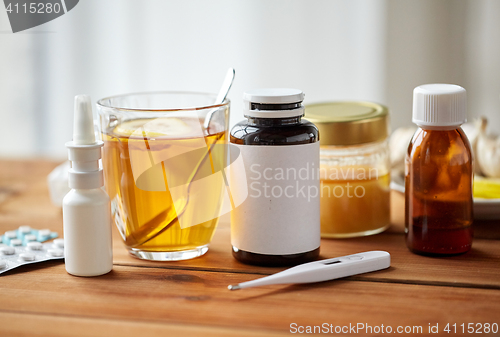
(349, 123)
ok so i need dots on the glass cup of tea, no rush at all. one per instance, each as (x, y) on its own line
(164, 161)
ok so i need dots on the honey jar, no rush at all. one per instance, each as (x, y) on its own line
(354, 167)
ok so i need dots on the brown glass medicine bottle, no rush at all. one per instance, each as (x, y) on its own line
(439, 174)
(278, 224)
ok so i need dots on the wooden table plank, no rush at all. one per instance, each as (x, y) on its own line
(190, 297)
(181, 297)
(23, 185)
(406, 266)
(26, 194)
(14, 324)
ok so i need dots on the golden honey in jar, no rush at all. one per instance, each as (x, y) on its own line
(354, 168)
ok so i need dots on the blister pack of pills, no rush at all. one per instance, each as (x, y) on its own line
(24, 246)
(25, 234)
(34, 252)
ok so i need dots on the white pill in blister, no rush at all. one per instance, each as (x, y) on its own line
(16, 242)
(8, 250)
(30, 237)
(27, 257)
(11, 235)
(34, 245)
(25, 229)
(56, 252)
(59, 243)
(44, 232)
(3, 264)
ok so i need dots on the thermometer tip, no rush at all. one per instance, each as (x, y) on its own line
(233, 287)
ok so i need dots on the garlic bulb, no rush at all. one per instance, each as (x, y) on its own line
(487, 151)
(398, 145)
(471, 131)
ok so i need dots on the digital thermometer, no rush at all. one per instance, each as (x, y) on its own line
(324, 270)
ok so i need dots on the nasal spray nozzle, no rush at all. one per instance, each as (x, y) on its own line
(83, 125)
(86, 208)
(84, 150)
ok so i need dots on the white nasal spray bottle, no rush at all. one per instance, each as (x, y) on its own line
(86, 208)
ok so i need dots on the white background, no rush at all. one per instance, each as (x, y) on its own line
(376, 50)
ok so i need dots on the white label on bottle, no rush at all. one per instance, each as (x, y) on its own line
(280, 215)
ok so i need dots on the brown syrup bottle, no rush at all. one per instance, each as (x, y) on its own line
(439, 174)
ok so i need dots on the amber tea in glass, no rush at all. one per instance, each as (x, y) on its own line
(164, 172)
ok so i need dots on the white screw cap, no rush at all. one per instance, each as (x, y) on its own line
(273, 96)
(439, 105)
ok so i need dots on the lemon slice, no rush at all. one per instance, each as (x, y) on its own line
(157, 127)
(487, 188)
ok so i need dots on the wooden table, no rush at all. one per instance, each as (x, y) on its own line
(190, 298)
